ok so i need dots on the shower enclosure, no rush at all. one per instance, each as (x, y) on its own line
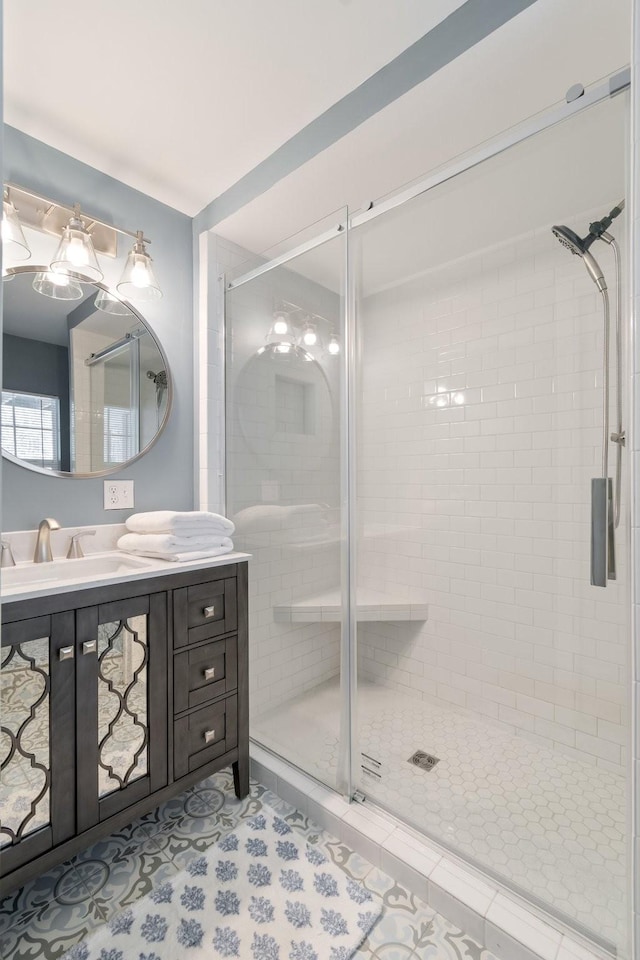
(414, 418)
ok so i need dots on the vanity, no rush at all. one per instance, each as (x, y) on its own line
(124, 680)
(118, 695)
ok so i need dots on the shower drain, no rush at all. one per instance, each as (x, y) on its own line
(423, 760)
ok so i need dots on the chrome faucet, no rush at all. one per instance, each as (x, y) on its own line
(6, 558)
(43, 544)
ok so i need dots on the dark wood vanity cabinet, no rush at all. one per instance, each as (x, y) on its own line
(116, 698)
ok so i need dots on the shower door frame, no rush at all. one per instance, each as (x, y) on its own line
(527, 129)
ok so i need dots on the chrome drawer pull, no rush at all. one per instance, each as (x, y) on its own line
(66, 653)
(209, 612)
(90, 646)
(209, 736)
(209, 673)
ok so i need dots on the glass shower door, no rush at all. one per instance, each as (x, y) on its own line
(492, 710)
(285, 411)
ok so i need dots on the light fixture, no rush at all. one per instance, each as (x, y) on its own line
(106, 302)
(57, 285)
(75, 251)
(80, 238)
(334, 345)
(138, 281)
(14, 244)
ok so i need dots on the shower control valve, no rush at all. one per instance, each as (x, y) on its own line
(620, 438)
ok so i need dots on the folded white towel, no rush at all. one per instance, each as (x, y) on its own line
(180, 549)
(168, 543)
(185, 557)
(182, 523)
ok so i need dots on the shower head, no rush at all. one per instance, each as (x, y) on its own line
(580, 247)
(571, 240)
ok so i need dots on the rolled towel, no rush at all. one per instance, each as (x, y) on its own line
(168, 547)
(181, 523)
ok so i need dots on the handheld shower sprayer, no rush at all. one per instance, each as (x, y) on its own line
(605, 508)
(579, 246)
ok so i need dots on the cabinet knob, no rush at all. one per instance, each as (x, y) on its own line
(209, 612)
(90, 646)
(66, 653)
(209, 736)
(209, 673)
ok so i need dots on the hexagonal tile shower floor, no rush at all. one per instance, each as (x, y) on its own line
(552, 825)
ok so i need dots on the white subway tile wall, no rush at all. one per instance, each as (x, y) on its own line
(479, 430)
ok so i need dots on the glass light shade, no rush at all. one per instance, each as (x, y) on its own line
(334, 345)
(109, 304)
(75, 252)
(14, 243)
(138, 281)
(57, 285)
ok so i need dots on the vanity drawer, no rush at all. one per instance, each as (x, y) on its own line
(205, 672)
(205, 610)
(204, 735)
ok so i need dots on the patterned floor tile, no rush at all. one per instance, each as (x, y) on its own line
(52, 928)
(62, 907)
(27, 899)
(122, 868)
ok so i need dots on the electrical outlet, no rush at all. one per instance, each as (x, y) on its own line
(118, 494)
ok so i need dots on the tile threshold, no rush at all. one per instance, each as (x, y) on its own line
(478, 905)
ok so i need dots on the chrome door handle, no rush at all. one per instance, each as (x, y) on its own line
(209, 612)
(66, 653)
(209, 673)
(90, 646)
(209, 736)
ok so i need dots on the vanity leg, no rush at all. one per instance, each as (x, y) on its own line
(241, 777)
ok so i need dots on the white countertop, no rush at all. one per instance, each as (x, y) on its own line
(102, 563)
(73, 577)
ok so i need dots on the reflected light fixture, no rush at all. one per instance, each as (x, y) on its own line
(138, 281)
(334, 345)
(57, 285)
(75, 251)
(109, 304)
(280, 324)
(309, 334)
(14, 243)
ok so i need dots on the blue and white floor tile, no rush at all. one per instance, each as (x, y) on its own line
(49, 915)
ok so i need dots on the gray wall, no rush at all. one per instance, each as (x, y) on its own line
(164, 476)
(33, 366)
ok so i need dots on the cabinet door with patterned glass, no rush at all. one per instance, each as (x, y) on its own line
(37, 737)
(121, 704)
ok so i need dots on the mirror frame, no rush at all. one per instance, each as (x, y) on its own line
(31, 268)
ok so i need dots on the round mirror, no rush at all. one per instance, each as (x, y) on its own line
(86, 389)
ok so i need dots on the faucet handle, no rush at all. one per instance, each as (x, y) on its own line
(75, 547)
(7, 559)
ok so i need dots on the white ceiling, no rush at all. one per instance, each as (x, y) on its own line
(180, 100)
(521, 69)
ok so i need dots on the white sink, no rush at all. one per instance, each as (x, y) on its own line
(71, 571)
